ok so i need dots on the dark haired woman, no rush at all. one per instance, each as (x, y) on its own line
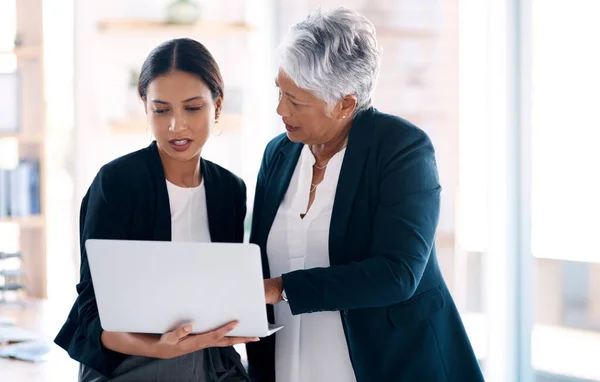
(165, 191)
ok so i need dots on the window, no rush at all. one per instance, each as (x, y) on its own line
(565, 187)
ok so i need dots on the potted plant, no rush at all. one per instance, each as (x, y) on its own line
(183, 12)
(133, 104)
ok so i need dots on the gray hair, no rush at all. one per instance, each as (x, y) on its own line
(333, 54)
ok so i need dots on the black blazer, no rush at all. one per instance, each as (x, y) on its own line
(400, 321)
(128, 200)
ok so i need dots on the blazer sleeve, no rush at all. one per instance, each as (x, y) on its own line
(404, 227)
(106, 217)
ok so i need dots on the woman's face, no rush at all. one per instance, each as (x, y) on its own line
(304, 115)
(181, 112)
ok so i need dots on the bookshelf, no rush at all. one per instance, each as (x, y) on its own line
(22, 189)
(400, 33)
(146, 27)
(24, 138)
(25, 52)
(25, 222)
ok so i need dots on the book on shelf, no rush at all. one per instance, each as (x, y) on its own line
(9, 99)
(6, 273)
(20, 190)
(10, 255)
(11, 287)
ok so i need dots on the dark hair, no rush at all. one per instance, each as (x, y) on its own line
(182, 54)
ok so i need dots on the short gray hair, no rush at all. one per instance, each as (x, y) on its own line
(333, 54)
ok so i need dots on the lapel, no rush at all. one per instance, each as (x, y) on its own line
(359, 142)
(162, 221)
(278, 180)
(214, 203)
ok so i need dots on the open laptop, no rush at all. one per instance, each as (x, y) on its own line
(158, 286)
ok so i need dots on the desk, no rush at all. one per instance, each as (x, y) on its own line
(44, 318)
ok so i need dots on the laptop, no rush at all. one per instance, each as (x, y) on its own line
(157, 286)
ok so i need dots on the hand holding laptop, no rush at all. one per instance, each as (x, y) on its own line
(172, 344)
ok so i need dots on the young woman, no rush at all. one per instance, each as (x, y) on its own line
(165, 191)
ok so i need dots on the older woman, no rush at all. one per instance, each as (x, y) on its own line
(346, 209)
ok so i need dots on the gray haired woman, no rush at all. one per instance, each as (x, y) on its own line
(346, 211)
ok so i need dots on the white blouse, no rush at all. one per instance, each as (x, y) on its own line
(311, 347)
(189, 217)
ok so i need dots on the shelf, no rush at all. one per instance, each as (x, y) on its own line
(158, 27)
(33, 221)
(405, 33)
(25, 52)
(24, 137)
(139, 125)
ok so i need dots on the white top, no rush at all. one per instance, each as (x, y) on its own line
(310, 347)
(189, 217)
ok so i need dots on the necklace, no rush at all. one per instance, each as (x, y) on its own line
(313, 187)
(324, 167)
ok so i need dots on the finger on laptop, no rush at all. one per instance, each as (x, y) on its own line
(221, 332)
(177, 334)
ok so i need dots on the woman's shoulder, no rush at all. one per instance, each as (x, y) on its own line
(395, 125)
(276, 144)
(127, 170)
(223, 175)
(395, 131)
(130, 161)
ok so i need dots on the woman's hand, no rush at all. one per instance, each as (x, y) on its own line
(180, 342)
(173, 344)
(273, 290)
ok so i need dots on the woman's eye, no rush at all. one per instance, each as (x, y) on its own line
(159, 111)
(195, 108)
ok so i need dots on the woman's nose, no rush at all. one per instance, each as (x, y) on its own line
(178, 123)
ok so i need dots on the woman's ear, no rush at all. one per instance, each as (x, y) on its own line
(347, 106)
(145, 106)
(218, 107)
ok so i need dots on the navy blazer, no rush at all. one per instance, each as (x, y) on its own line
(128, 200)
(399, 319)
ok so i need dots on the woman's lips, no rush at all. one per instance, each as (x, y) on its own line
(291, 128)
(180, 144)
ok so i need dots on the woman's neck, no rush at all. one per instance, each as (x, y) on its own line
(182, 174)
(325, 151)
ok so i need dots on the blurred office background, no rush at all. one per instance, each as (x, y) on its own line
(506, 89)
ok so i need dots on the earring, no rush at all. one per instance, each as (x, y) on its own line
(220, 129)
(343, 116)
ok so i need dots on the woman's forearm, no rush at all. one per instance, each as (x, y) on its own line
(130, 343)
